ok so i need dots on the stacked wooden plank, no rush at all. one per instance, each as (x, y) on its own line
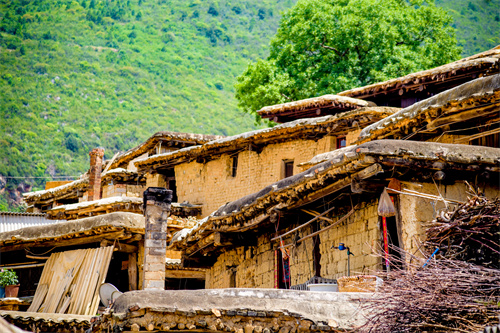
(70, 281)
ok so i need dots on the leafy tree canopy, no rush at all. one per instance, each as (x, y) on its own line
(327, 46)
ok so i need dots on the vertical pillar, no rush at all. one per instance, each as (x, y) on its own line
(95, 170)
(157, 202)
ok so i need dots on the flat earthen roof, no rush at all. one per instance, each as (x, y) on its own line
(484, 63)
(319, 311)
(188, 138)
(59, 233)
(79, 184)
(441, 109)
(320, 126)
(311, 107)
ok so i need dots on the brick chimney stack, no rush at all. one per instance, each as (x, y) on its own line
(96, 156)
(157, 202)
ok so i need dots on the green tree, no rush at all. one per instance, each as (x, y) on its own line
(327, 46)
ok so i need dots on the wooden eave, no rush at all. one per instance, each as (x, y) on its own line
(62, 213)
(312, 107)
(66, 191)
(171, 139)
(123, 177)
(118, 226)
(184, 211)
(333, 125)
(483, 64)
(431, 116)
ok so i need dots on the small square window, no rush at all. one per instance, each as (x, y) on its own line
(341, 142)
(287, 168)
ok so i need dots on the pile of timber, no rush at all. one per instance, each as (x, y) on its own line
(471, 232)
(444, 296)
(70, 282)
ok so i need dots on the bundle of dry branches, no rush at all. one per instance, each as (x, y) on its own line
(469, 233)
(444, 296)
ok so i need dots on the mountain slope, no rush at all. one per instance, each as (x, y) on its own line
(77, 75)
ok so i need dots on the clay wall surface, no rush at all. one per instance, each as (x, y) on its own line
(253, 267)
(212, 184)
(414, 210)
(447, 138)
(361, 233)
(122, 190)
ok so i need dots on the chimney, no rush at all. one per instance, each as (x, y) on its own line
(157, 202)
(96, 156)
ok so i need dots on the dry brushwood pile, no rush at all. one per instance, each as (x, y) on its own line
(469, 233)
(458, 290)
(444, 296)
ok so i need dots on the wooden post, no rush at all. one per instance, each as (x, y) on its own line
(132, 271)
(140, 263)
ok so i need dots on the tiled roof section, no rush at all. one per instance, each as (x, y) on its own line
(310, 106)
(189, 139)
(95, 207)
(86, 227)
(331, 124)
(50, 321)
(80, 184)
(122, 174)
(485, 90)
(485, 63)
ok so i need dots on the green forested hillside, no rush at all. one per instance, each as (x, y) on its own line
(477, 23)
(81, 74)
(75, 75)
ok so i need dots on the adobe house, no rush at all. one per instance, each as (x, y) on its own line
(238, 257)
(222, 170)
(242, 244)
(115, 178)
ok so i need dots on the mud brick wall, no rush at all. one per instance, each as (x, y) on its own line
(212, 184)
(361, 232)
(253, 267)
(415, 210)
(122, 190)
(155, 180)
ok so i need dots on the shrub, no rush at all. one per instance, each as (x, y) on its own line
(8, 277)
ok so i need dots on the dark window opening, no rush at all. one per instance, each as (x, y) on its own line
(316, 252)
(234, 166)
(492, 140)
(393, 242)
(171, 184)
(341, 142)
(184, 284)
(232, 278)
(288, 169)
